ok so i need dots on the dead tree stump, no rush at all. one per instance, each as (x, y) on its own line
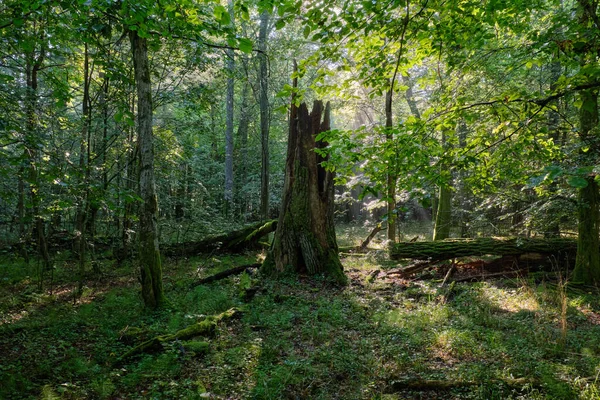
(305, 239)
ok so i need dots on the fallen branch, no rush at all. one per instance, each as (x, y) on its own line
(378, 228)
(482, 277)
(225, 274)
(411, 269)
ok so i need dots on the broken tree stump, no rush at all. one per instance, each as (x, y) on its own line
(305, 240)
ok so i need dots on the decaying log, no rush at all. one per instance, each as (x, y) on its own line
(233, 241)
(452, 248)
(225, 274)
(206, 327)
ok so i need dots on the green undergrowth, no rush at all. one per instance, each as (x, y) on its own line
(298, 338)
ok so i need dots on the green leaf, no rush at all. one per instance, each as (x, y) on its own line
(279, 24)
(578, 182)
(245, 45)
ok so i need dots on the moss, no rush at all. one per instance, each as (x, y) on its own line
(196, 347)
(208, 327)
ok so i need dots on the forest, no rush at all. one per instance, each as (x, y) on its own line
(287, 199)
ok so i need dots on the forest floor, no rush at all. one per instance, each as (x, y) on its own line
(297, 338)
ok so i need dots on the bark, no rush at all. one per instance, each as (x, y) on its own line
(305, 239)
(230, 67)
(235, 241)
(446, 249)
(587, 264)
(264, 116)
(149, 257)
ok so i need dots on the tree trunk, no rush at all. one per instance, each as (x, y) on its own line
(391, 173)
(242, 137)
(264, 116)
(230, 67)
(81, 215)
(443, 216)
(587, 264)
(305, 239)
(553, 118)
(150, 263)
(33, 67)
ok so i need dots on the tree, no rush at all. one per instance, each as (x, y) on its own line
(305, 239)
(150, 262)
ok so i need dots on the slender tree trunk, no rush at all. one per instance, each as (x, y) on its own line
(443, 216)
(391, 173)
(33, 67)
(242, 134)
(230, 67)
(81, 215)
(553, 118)
(264, 116)
(587, 264)
(150, 262)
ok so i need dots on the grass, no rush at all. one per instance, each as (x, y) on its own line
(298, 338)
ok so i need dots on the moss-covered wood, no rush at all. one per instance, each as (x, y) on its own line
(305, 239)
(235, 241)
(451, 248)
(207, 327)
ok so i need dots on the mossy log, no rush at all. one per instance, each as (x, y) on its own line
(452, 248)
(235, 241)
(206, 327)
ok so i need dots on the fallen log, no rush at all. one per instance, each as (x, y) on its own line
(443, 385)
(452, 248)
(206, 327)
(225, 274)
(235, 241)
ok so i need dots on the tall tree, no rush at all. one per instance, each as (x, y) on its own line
(230, 69)
(150, 261)
(264, 115)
